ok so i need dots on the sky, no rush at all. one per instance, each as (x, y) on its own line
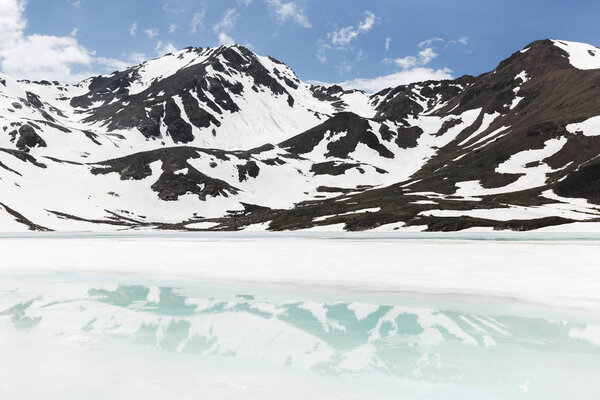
(368, 45)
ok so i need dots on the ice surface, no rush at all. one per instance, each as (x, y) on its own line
(381, 262)
(321, 315)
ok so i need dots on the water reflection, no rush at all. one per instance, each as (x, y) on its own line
(423, 343)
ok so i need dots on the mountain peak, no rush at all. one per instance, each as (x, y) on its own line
(559, 54)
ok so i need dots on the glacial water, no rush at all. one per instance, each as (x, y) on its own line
(115, 336)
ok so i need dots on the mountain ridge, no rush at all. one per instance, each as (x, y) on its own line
(224, 139)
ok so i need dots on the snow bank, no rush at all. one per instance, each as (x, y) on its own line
(589, 127)
(581, 55)
(563, 273)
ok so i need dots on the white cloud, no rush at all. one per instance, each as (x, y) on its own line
(344, 68)
(412, 70)
(398, 78)
(462, 40)
(12, 22)
(225, 25)
(173, 7)
(345, 35)
(432, 41)
(423, 58)
(288, 11)
(151, 33)
(367, 24)
(116, 64)
(197, 21)
(228, 21)
(225, 40)
(38, 56)
(321, 53)
(338, 40)
(406, 62)
(75, 3)
(172, 28)
(244, 2)
(427, 55)
(45, 57)
(360, 55)
(429, 42)
(164, 48)
(388, 41)
(133, 29)
(136, 58)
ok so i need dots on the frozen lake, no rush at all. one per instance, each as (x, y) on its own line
(324, 316)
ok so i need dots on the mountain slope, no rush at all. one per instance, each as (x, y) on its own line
(221, 138)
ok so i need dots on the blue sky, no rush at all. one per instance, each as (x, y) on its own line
(367, 44)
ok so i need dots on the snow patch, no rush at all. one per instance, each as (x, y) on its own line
(581, 55)
(589, 127)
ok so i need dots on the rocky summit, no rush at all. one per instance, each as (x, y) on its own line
(224, 139)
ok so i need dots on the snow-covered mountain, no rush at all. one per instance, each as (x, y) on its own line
(224, 139)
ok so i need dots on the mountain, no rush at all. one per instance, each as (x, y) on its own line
(224, 139)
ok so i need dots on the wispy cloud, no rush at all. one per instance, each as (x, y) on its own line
(344, 68)
(197, 21)
(227, 22)
(117, 64)
(388, 41)
(424, 57)
(174, 7)
(151, 33)
(172, 28)
(133, 29)
(345, 35)
(463, 40)
(431, 41)
(376, 84)
(341, 38)
(225, 25)
(225, 39)
(411, 69)
(164, 48)
(288, 11)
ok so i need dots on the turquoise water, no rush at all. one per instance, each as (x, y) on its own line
(73, 336)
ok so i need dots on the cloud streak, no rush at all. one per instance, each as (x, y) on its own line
(133, 29)
(424, 57)
(151, 33)
(373, 85)
(290, 11)
(197, 21)
(225, 25)
(345, 35)
(341, 38)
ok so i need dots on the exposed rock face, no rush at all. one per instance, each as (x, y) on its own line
(26, 138)
(229, 137)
